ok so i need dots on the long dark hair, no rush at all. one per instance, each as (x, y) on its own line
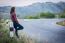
(12, 10)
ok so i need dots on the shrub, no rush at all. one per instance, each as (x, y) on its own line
(47, 15)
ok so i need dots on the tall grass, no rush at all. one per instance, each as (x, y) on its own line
(5, 38)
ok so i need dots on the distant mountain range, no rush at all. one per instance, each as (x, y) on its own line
(36, 8)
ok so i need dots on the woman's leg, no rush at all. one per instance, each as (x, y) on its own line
(20, 26)
(17, 27)
(16, 32)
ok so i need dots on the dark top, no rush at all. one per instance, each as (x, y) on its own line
(13, 17)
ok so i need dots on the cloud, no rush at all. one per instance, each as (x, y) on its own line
(23, 2)
(16, 2)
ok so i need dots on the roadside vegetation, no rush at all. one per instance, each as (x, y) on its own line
(61, 15)
(5, 38)
(46, 15)
(62, 23)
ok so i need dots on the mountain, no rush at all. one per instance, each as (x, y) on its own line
(5, 9)
(36, 8)
(41, 7)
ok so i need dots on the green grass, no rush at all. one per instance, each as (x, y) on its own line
(60, 23)
(41, 15)
(4, 36)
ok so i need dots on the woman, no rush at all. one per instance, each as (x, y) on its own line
(16, 24)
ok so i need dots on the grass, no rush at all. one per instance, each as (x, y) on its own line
(4, 36)
(61, 23)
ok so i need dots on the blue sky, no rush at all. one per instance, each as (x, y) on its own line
(24, 2)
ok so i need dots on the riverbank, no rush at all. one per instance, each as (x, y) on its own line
(62, 23)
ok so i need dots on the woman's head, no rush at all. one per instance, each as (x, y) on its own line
(12, 10)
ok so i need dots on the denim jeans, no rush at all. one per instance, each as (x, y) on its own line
(17, 27)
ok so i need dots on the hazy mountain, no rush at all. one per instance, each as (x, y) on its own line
(36, 8)
(41, 7)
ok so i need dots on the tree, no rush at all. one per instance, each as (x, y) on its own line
(47, 15)
(62, 14)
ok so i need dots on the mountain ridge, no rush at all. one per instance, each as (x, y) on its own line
(36, 8)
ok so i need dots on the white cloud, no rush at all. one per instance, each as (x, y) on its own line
(24, 2)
